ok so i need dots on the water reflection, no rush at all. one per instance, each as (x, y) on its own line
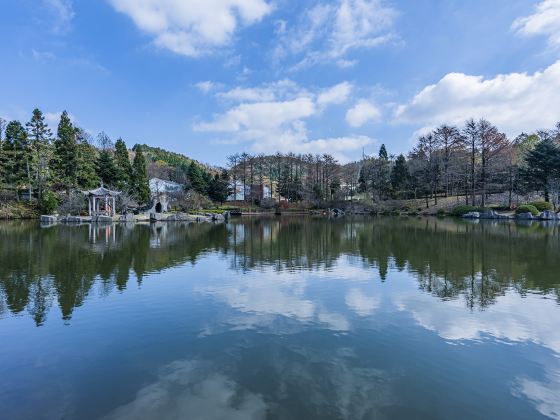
(280, 318)
(477, 263)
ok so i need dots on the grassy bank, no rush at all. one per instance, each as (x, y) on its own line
(18, 210)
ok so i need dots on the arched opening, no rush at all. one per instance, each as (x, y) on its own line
(158, 208)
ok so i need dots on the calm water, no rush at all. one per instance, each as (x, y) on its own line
(280, 318)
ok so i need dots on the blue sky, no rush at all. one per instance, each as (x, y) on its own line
(210, 77)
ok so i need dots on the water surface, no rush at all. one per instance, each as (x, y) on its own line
(281, 318)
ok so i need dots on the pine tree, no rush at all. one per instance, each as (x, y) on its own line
(218, 189)
(140, 177)
(124, 167)
(87, 159)
(383, 153)
(106, 168)
(66, 153)
(39, 136)
(197, 178)
(17, 156)
(543, 166)
(399, 175)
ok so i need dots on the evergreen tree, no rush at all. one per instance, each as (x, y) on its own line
(218, 189)
(383, 172)
(87, 161)
(543, 166)
(140, 177)
(17, 156)
(399, 175)
(39, 136)
(106, 168)
(66, 153)
(124, 167)
(383, 153)
(197, 178)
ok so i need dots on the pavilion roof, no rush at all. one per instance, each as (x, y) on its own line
(102, 192)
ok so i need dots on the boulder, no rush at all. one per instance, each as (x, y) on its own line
(524, 216)
(549, 215)
(218, 218)
(471, 215)
(178, 217)
(48, 219)
(491, 214)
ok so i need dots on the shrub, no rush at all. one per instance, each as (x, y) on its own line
(440, 212)
(74, 204)
(542, 205)
(527, 208)
(49, 202)
(463, 209)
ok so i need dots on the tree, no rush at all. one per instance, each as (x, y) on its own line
(218, 189)
(140, 177)
(471, 136)
(39, 136)
(17, 156)
(197, 178)
(491, 142)
(426, 150)
(543, 166)
(124, 167)
(106, 168)
(87, 161)
(66, 153)
(449, 139)
(383, 153)
(400, 175)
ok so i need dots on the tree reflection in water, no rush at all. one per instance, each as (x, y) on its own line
(450, 259)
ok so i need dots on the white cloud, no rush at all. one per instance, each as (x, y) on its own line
(280, 90)
(206, 86)
(328, 31)
(187, 386)
(512, 317)
(337, 94)
(516, 102)
(260, 116)
(361, 113)
(62, 11)
(279, 124)
(545, 21)
(192, 27)
(361, 303)
(545, 395)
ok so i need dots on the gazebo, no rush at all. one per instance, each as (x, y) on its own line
(101, 201)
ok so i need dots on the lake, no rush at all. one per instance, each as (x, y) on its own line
(281, 318)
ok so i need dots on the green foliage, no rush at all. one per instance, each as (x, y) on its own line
(542, 205)
(123, 165)
(527, 208)
(383, 153)
(463, 209)
(140, 185)
(198, 180)
(399, 174)
(106, 168)
(218, 189)
(49, 202)
(66, 153)
(542, 166)
(87, 169)
(17, 155)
